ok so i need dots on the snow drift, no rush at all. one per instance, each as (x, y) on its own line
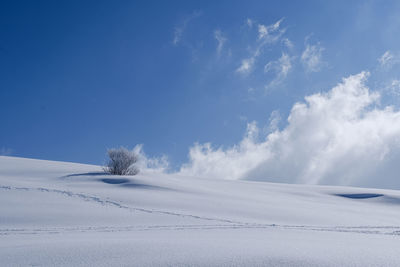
(66, 214)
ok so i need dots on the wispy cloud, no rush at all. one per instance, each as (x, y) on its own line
(395, 85)
(179, 29)
(221, 40)
(281, 67)
(388, 60)
(246, 66)
(312, 57)
(287, 43)
(249, 23)
(392, 88)
(267, 32)
(274, 120)
(266, 35)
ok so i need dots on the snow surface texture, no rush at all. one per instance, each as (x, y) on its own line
(67, 214)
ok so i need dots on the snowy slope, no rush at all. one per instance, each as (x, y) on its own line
(67, 214)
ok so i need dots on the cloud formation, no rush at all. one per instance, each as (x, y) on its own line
(178, 31)
(246, 66)
(385, 58)
(249, 23)
(266, 35)
(281, 67)
(221, 39)
(150, 165)
(288, 44)
(312, 57)
(395, 87)
(388, 59)
(340, 137)
(274, 120)
(268, 32)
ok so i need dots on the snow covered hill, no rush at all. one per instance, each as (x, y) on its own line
(68, 214)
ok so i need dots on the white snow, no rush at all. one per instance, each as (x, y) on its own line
(68, 214)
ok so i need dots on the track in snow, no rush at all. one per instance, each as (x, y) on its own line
(379, 230)
(228, 224)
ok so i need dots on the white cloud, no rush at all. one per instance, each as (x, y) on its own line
(312, 57)
(177, 35)
(150, 165)
(385, 59)
(388, 59)
(274, 120)
(221, 39)
(178, 31)
(232, 163)
(393, 88)
(281, 67)
(266, 35)
(338, 137)
(289, 44)
(270, 33)
(246, 66)
(395, 84)
(262, 31)
(249, 23)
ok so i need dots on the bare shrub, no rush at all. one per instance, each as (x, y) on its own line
(121, 162)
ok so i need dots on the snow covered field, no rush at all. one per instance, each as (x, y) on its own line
(67, 214)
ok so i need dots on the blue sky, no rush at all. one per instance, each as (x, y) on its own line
(78, 77)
